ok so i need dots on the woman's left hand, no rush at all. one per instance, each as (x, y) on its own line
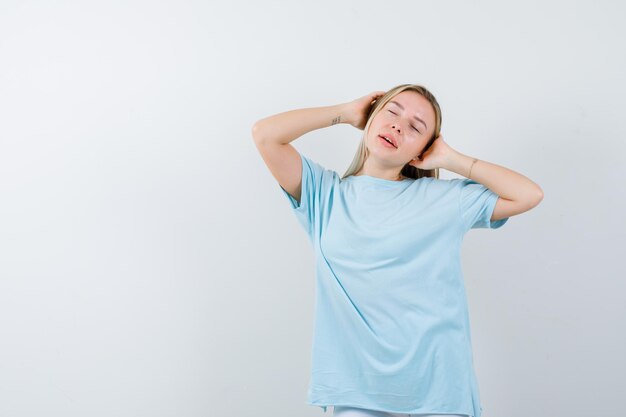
(435, 157)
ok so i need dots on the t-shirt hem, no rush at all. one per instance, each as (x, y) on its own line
(368, 406)
(324, 407)
(491, 206)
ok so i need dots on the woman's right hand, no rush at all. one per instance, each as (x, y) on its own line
(358, 110)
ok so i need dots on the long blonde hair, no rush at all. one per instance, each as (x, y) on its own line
(407, 170)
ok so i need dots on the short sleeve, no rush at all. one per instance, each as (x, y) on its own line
(316, 184)
(476, 203)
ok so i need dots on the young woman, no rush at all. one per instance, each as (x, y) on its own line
(392, 334)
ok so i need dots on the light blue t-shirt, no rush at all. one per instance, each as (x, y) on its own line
(391, 326)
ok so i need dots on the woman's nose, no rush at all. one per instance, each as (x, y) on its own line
(395, 127)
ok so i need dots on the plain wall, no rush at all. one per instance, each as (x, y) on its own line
(150, 266)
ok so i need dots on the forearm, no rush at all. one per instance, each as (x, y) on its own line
(502, 181)
(285, 127)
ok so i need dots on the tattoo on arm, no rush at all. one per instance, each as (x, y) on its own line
(336, 120)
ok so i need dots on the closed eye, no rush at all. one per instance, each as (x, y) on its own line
(411, 125)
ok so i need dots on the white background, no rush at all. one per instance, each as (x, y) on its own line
(149, 265)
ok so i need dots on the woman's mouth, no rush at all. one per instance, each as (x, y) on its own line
(386, 142)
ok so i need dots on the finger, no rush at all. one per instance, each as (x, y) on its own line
(376, 96)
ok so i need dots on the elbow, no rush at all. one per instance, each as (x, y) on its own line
(256, 131)
(538, 196)
(530, 200)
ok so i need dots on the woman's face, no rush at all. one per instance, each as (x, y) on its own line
(398, 121)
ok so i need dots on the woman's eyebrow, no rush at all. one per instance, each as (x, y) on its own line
(415, 115)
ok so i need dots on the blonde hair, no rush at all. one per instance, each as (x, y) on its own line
(407, 170)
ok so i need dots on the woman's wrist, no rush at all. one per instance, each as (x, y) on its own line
(459, 163)
(343, 114)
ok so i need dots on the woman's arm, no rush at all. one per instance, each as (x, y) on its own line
(272, 136)
(517, 192)
(285, 127)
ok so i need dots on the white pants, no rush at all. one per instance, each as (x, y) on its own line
(343, 411)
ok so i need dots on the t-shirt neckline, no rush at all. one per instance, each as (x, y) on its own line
(370, 178)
